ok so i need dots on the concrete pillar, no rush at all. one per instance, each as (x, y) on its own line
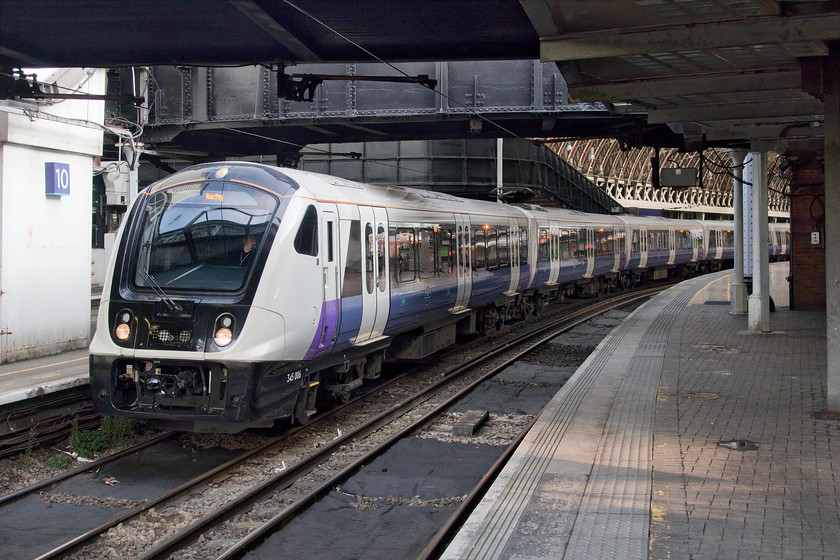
(832, 223)
(738, 288)
(759, 300)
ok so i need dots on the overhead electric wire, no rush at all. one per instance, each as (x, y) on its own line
(310, 147)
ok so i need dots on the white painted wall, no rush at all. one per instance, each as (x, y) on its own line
(99, 260)
(45, 241)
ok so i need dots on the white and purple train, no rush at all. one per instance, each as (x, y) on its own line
(240, 293)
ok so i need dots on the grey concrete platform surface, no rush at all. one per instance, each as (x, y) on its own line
(682, 436)
(48, 374)
(30, 378)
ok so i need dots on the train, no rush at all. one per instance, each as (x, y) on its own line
(241, 294)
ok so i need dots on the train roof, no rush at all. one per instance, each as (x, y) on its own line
(327, 188)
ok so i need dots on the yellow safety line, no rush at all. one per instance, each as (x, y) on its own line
(704, 288)
(44, 366)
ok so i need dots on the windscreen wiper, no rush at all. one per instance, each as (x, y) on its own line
(170, 303)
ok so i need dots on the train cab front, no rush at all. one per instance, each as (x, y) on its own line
(180, 294)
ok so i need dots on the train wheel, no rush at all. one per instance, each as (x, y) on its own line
(538, 304)
(525, 308)
(305, 405)
(300, 416)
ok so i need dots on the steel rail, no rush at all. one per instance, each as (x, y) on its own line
(184, 487)
(285, 478)
(93, 465)
(263, 531)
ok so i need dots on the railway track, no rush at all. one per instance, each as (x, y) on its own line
(45, 420)
(496, 360)
(401, 419)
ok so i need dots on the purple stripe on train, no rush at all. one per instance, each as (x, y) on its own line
(326, 330)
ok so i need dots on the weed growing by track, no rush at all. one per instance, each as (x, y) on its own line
(88, 443)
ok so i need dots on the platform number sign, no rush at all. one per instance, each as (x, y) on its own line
(58, 179)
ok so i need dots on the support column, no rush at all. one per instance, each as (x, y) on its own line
(832, 224)
(759, 301)
(747, 188)
(738, 288)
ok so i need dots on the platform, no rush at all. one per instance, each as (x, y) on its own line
(31, 378)
(25, 379)
(682, 436)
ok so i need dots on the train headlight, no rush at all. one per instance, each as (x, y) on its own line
(224, 330)
(123, 331)
(223, 337)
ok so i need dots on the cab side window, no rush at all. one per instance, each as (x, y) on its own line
(306, 239)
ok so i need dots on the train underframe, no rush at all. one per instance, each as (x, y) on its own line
(229, 397)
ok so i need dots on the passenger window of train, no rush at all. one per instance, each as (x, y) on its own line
(566, 249)
(728, 239)
(513, 244)
(479, 257)
(543, 247)
(329, 241)
(352, 284)
(581, 244)
(635, 248)
(657, 240)
(405, 255)
(502, 248)
(306, 240)
(426, 256)
(712, 239)
(381, 246)
(523, 246)
(445, 251)
(620, 240)
(370, 245)
(604, 244)
(492, 254)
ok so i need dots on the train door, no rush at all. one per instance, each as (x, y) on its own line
(513, 253)
(329, 258)
(696, 240)
(672, 246)
(554, 236)
(463, 265)
(383, 278)
(375, 278)
(590, 251)
(643, 247)
(619, 248)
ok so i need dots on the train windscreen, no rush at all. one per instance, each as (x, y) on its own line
(202, 236)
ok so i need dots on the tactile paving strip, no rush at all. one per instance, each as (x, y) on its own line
(614, 509)
(614, 516)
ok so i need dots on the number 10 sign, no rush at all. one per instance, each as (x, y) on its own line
(57, 179)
